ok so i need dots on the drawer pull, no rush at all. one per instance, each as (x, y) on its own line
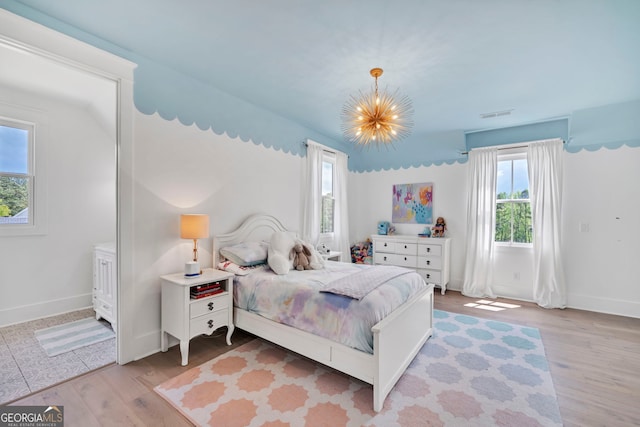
(385, 258)
(385, 245)
(405, 258)
(210, 323)
(210, 305)
(428, 276)
(428, 249)
(405, 246)
(428, 262)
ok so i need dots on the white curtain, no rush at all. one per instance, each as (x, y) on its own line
(545, 186)
(341, 219)
(481, 214)
(312, 194)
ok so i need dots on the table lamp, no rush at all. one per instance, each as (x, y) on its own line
(194, 226)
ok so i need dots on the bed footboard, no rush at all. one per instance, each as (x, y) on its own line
(397, 340)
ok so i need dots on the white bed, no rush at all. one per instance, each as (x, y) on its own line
(396, 339)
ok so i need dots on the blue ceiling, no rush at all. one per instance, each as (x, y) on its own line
(455, 59)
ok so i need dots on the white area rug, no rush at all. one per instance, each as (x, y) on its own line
(70, 336)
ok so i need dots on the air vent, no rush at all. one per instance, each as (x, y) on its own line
(495, 114)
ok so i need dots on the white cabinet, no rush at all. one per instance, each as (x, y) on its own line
(188, 311)
(428, 256)
(104, 282)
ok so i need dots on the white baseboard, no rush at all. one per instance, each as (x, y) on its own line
(25, 313)
(604, 305)
(613, 306)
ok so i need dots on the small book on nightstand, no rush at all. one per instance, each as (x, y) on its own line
(206, 290)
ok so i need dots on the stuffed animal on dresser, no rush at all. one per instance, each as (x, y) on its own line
(301, 255)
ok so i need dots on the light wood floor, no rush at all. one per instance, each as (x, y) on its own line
(594, 360)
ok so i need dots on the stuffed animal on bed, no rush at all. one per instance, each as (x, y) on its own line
(301, 257)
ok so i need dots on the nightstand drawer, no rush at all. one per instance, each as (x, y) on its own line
(434, 262)
(431, 276)
(209, 323)
(431, 250)
(208, 305)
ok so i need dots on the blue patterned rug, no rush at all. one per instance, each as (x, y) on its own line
(483, 373)
(472, 372)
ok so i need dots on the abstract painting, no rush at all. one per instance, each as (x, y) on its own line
(413, 203)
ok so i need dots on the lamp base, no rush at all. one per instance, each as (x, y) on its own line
(192, 269)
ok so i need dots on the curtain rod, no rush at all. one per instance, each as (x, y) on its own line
(509, 147)
(324, 149)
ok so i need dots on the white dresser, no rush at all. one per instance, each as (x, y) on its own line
(104, 282)
(428, 256)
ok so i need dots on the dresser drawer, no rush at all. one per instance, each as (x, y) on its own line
(434, 262)
(396, 259)
(383, 246)
(406, 248)
(208, 305)
(385, 259)
(430, 250)
(431, 276)
(209, 323)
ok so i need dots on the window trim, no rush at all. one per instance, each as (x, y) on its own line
(36, 120)
(511, 154)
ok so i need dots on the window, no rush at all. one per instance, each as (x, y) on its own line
(513, 209)
(23, 145)
(328, 201)
(16, 173)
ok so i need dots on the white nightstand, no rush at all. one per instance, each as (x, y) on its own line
(185, 318)
(333, 256)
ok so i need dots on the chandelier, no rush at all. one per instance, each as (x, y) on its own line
(377, 117)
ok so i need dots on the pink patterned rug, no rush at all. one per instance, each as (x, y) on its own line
(471, 372)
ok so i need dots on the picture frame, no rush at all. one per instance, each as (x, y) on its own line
(412, 203)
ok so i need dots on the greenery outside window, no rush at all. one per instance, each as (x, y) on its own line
(513, 208)
(327, 194)
(16, 173)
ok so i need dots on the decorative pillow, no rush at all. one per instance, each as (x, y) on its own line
(279, 248)
(246, 254)
(239, 270)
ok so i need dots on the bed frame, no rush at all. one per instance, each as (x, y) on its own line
(396, 339)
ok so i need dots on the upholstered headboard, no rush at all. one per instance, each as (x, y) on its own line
(258, 227)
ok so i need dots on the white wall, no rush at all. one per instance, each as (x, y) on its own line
(183, 169)
(370, 195)
(47, 274)
(601, 265)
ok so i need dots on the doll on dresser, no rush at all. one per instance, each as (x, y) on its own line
(439, 228)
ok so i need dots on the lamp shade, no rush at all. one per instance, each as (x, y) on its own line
(194, 226)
